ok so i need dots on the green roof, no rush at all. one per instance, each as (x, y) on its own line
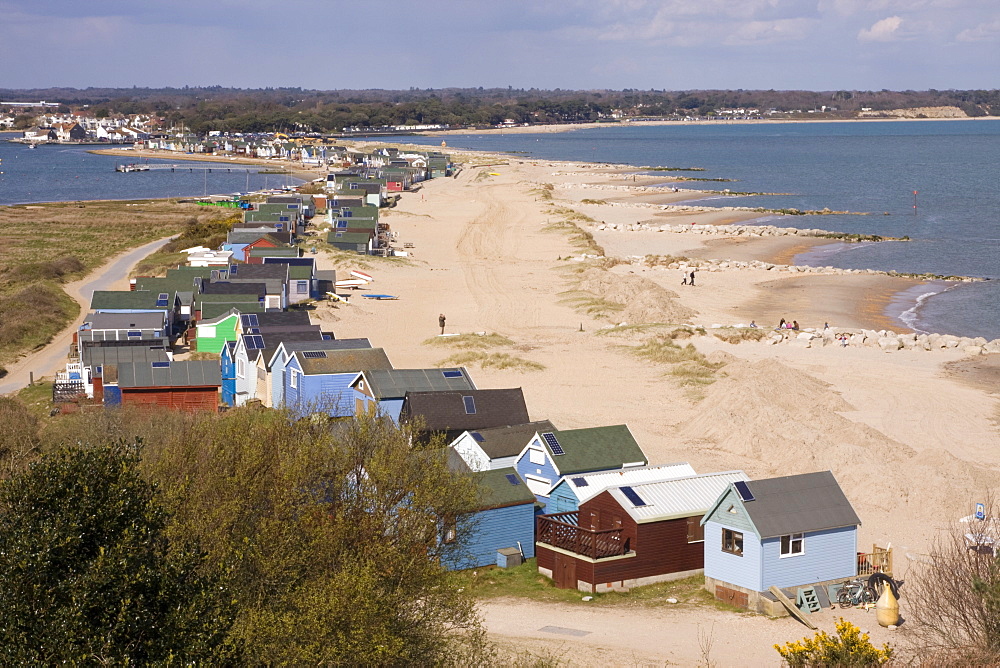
(595, 449)
(336, 237)
(497, 491)
(123, 299)
(299, 272)
(289, 251)
(182, 283)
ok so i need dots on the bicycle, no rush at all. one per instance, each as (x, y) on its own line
(855, 592)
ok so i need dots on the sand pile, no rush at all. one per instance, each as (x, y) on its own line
(772, 420)
(644, 300)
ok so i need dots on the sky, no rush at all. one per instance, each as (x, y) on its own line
(569, 44)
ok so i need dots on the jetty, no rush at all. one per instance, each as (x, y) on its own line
(146, 167)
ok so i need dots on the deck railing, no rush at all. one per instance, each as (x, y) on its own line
(562, 530)
(879, 560)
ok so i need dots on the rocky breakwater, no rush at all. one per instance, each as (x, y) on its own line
(885, 340)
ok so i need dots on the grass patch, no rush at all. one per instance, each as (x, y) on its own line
(470, 341)
(590, 304)
(483, 175)
(690, 367)
(502, 361)
(676, 331)
(31, 315)
(37, 397)
(543, 191)
(593, 201)
(739, 334)
(578, 237)
(525, 581)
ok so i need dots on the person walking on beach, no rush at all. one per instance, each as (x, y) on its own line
(684, 278)
(441, 322)
(692, 278)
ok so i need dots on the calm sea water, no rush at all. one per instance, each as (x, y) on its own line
(54, 173)
(870, 168)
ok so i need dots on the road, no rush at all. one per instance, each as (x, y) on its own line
(47, 360)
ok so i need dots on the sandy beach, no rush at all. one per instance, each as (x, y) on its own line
(910, 439)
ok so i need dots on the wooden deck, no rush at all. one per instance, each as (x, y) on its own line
(879, 560)
(562, 530)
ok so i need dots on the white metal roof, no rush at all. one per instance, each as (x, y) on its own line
(680, 497)
(589, 485)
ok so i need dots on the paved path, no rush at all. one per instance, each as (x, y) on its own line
(47, 360)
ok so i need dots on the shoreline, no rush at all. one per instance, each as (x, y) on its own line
(295, 170)
(569, 127)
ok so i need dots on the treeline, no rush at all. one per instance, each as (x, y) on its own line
(296, 109)
(139, 538)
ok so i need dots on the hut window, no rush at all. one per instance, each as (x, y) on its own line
(695, 531)
(732, 542)
(449, 530)
(792, 544)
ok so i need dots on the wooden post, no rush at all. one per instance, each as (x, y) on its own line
(31, 378)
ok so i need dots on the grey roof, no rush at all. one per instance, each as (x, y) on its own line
(445, 411)
(344, 361)
(248, 273)
(177, 374)
(395, 383)
(326, 344)
(508, 441)
(799, 503)
(94, 356)
(126, 320)
(230, 288)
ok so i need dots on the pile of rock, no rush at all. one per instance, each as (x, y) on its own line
(885, 340)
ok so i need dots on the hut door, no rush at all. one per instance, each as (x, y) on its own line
(564, 572)
(595, 519)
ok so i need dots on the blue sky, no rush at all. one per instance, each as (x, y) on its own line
(570, 44)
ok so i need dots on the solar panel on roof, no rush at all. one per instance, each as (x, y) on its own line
(161, 365)
(452, 373)
(743, 490)
(470, 405)
(250, 320)
(314, 354)
(631, 495)
(476, 436)
(232, 269)
(553, 442)
(513, 479)
(580, 482)
(162, 299)
(253, 342)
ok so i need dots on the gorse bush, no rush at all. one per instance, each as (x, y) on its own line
(849, 647)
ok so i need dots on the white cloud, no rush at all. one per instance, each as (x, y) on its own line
(981, 32)
(885, 30)
(769, 32)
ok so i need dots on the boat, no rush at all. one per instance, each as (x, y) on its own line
(134, 167)
(32, 145)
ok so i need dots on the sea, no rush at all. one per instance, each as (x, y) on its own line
(58, 173)
(936, 182)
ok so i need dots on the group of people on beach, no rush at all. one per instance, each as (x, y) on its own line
(794, 324)
(688, 279)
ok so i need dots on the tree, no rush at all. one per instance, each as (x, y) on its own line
(331, 531)
(87, 574)
(954, 598)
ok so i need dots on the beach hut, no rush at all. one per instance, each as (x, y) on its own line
(550, 455)
(795, 532)
(320, 380)
(383, 390)
(572, 490)
(496, 447)
(630, 535)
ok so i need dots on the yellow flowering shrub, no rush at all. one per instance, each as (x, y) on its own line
(850, 647)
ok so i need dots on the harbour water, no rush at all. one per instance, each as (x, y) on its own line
(870, 168)
(57, 173)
